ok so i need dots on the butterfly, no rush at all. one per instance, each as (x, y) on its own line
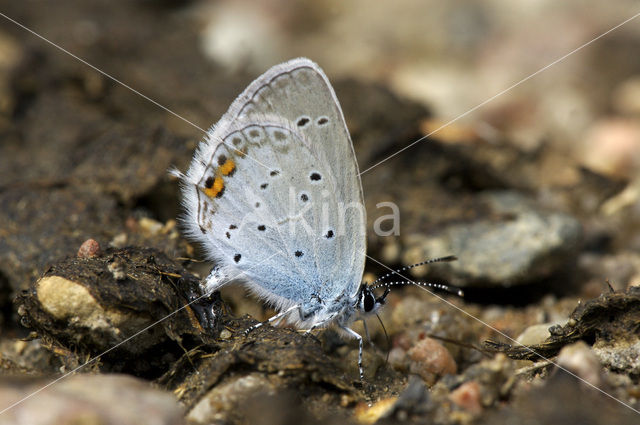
(274, 197)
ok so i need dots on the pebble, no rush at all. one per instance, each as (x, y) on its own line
(117, 269)
(467, 396)
(366, 414)
(581, 360)
(535, 334)
(431, 360)
(227, 397)
(89, 249)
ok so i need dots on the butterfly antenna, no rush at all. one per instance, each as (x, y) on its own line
(440, 286)
(481, 350)
(422, 263)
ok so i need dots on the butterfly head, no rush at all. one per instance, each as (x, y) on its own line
(367, 302)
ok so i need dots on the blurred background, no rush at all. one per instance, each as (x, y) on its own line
(534, 183)
(450, 56)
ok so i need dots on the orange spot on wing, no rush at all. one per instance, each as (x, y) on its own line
(227, 168)
(216, 188)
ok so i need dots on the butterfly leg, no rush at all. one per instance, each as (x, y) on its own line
(214, 281)
(366, 332)
(357, 336)
(272, 319)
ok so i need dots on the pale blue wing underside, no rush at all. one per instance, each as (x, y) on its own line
(290, 216)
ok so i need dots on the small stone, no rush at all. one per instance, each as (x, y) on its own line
(535, 334)
(224, 399)
(117, 269)
(366, 414)
(63, 298)
(225, 334)
(626, 96)
(431, 360)
(149, 226)
(611, 146)
(468, 397)
(89, 249)
(581, 360)
(346, 400)
(119, 240)
(620, 354)
(71, 302)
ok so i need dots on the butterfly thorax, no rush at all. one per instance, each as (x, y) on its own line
(320, 313)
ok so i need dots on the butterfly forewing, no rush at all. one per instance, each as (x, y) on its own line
(299, 91)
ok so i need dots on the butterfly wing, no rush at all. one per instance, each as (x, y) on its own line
(274, 193)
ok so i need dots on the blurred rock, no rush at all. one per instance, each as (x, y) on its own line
(626, 97)
(580, 359)
(369, 414)
(619, 355)
(612, 146)
(227, 398)
(467, 396)
(88, 399)
(494, 378)
(515, 244)
(20, 357)
(618, 269)
(608, 322)
(216, 381)
(535, 334)
(562, 399)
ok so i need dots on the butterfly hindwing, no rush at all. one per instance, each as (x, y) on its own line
(300, 92)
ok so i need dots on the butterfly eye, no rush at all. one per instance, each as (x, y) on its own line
(368, 301)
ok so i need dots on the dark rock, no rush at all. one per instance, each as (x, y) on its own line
(130, 306)
(563, 399)
(609, 323)
(215, 382)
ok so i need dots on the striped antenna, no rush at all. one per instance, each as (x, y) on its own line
(405, 268)
(440, 286)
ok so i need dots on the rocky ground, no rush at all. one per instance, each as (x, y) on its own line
(96, 279)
